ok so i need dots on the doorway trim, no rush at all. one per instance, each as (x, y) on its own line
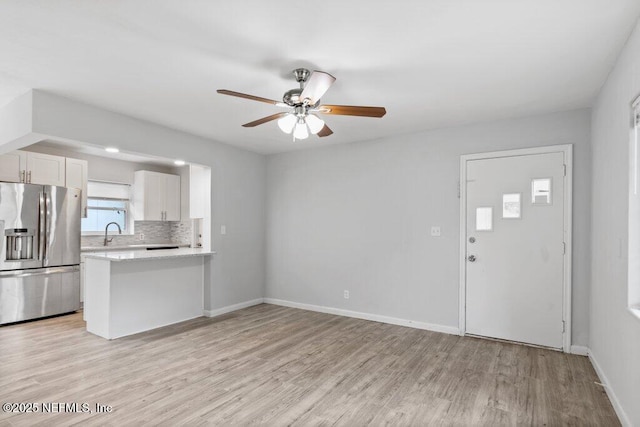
(567, 151)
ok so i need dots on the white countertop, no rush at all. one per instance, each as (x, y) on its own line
(121, 248)
(135, 255)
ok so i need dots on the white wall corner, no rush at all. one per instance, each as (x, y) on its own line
(16, 124)
(622, 415)
(579, 350)
(366, 316)
(229, 308)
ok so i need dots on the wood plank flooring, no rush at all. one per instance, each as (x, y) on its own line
(277, 366)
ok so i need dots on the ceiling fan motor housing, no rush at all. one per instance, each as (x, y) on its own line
(292, 97)
(301, 74)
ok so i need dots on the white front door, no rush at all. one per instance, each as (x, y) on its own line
(515, 248)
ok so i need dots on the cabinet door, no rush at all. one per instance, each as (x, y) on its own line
(172, 198)
(76, 177)
(154, 195)
(45, 169)
(82, 281)
(11, 166)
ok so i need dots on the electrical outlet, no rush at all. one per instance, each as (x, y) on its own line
(346, 294)
(141, 236)
(435, 231)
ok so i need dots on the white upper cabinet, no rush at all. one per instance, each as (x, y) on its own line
(156, 196)
(46, 169)
(172, 201)
(12, 166)
(32, 168)
(76, 177)
(197, 191)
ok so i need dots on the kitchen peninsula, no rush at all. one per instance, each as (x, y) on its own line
(137, 290)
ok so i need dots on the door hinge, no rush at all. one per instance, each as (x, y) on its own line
(564, 170)
(563, 326)
(564, 248)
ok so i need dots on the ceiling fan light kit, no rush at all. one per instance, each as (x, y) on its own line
(304, 103)
(287, 123)
(315, 123)
(301, 131)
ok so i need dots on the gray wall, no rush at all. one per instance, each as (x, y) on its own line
(358, 217)
(615, 333)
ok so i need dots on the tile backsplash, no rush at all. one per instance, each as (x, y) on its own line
(177, 232)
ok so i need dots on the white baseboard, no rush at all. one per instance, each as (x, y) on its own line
(366, 316)
(622, 415)
(229, 308)
(580, 350)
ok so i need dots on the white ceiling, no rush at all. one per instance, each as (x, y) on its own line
(431, 63)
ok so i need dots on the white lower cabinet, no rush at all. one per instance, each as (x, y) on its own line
(82, 281)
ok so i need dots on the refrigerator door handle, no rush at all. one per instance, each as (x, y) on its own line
(42, 227)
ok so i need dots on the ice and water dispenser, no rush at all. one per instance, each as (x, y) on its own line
(19, 244)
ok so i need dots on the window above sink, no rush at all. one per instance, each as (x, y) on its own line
(107, 202)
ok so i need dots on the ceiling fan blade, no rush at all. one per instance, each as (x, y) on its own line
(325, 131)
(245, 96)
(264, 120)
(352, 110)
(317, 85)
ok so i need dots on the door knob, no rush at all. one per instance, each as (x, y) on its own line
(472, 258)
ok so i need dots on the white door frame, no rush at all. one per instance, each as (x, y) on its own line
(567, 150)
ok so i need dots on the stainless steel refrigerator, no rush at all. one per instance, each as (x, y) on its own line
(40, 253)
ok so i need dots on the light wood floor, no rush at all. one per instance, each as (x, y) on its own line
(276, 366)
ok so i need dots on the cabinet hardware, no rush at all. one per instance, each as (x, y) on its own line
(29, 177)
(22, 176)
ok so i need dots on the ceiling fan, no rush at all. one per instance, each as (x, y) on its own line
(304, 106)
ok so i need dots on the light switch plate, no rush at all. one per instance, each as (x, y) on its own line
(435, 231)
(223, 229)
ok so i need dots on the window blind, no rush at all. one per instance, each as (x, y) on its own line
(108, 190)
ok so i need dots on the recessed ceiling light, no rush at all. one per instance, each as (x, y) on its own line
(179, 162)
(111, 150)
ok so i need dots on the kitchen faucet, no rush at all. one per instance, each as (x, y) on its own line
(106, 240)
